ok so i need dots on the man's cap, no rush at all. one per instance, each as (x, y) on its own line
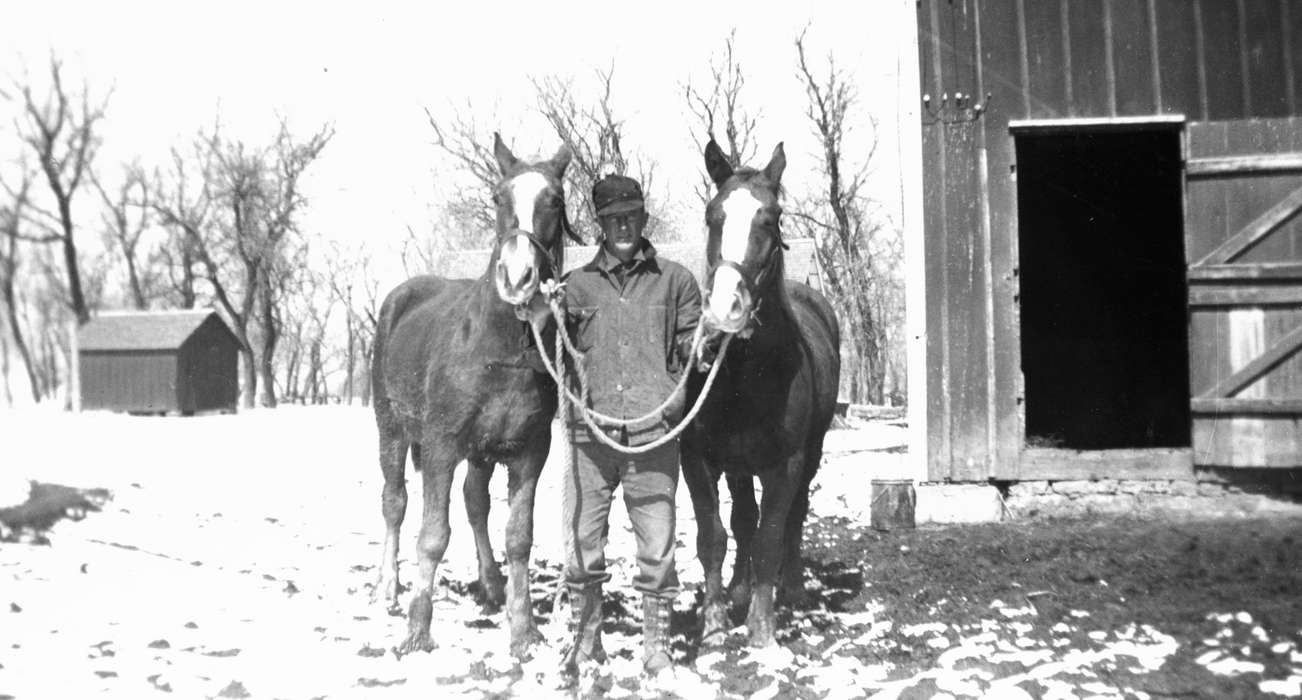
(615, 194)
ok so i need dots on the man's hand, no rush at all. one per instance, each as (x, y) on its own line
(535, 311)
(709, 351)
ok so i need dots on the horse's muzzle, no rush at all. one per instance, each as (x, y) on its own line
(516, 275)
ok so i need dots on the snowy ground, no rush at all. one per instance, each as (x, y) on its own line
(236, 556)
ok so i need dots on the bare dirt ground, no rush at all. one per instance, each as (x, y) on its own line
(235, 557)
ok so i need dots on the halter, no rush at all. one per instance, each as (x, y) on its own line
(753, 284)
(537, 245)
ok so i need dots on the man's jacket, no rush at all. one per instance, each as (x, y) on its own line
(634, 325)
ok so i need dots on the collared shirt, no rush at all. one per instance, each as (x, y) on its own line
(634, 323)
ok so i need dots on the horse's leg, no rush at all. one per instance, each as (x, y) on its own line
(711, 541)
(767, 550)
(792, 591)
(437, 463)
(492, 584)
(393, 504)
(522, 484)
(743, 520)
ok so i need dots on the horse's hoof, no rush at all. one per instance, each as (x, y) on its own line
(521, 648)
(715, 629)
(490, 597)
(419, 642)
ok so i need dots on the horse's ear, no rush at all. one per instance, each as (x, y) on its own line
(561, 160)
(716, 163)
(505, 159)
(778, 163)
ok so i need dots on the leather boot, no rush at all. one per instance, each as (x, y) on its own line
(655, 634)
(585, 624)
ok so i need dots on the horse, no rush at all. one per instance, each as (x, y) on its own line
(773, 401)
(454, 378)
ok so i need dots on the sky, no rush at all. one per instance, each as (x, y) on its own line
(371, 70)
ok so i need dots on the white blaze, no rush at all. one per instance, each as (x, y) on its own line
(739, 210)
(525, 189)
(517, 255)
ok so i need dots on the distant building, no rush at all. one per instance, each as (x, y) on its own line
(801, 260)
(158, 362)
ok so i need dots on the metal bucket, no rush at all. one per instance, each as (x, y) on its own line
(892, 505)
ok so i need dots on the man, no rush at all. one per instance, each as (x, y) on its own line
(633, 315)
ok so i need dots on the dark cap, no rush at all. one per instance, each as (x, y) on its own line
(615, 194)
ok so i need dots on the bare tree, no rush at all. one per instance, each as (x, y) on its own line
(859, 282)
(60, 128)
(125, 216)
(183, 204)
(719, 113)
(236, 223)
(595, 137)
(283, 202)
(12, 217)
(468, 144)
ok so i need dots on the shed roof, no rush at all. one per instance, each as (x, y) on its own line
(142, 330)
(801, 261)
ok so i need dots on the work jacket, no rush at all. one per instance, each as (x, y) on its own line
(634, 325)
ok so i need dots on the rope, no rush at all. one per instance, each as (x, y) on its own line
(557, 372)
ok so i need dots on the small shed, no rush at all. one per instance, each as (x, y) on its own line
(158, 362)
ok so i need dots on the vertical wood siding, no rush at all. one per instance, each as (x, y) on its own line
(1210, 60)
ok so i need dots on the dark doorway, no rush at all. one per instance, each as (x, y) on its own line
(1104, 321)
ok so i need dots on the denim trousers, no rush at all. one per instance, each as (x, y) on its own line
(649, 482)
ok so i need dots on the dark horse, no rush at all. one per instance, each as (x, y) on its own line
(453, 380)
(771, 404)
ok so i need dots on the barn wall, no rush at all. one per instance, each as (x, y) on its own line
(209, 368)
(1209, 60)
(129, 381)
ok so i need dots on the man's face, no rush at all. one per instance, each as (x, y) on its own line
(623, 232)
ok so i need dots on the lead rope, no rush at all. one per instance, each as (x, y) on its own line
(557, 373)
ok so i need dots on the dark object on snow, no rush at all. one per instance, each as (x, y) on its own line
(772, 402)
(47, 504)
(454, 379)
(158, 362)
(893, 504)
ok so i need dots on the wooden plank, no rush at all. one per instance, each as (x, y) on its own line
(1291, 23)
(1266, 406)
(1003, 69)
(1283, 272)
(1222, 60)
(1258, 193)
(1244, 296)
(1087, 40)
(1071, 465)
(1205, 200)
(1256, 230)
(965, 294)
(934, 215)
(1249, 373)
(1132, 57)
(1241, 442)
(1264, 59)
(1046, 61)
(1255, 164)
(1177, 56)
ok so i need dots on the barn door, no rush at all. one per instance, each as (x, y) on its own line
(1244, 246)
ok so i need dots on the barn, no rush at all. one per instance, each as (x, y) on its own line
(158, 362)
(1109, 254)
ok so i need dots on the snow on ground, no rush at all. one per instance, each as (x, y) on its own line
(237, 553)
(236, 556)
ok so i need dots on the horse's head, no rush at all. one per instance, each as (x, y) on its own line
(531, 223)
(745, 238)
